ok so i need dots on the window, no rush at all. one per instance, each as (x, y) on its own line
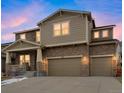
(27, 58)
(96, 34)
(61, 28)
(22, 36)
(38, 36)
(57, 29)
(105, 33)
(65, 28)
(24, 59)
(21, 59)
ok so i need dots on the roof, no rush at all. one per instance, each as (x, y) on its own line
(65, 10)
(27, 30)
(6, 44)
(103, 27)
(114, 41)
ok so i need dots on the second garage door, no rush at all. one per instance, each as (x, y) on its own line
(64, 67)
(101, 66)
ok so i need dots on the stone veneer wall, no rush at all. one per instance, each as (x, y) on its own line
(70, 50)
(102, 49)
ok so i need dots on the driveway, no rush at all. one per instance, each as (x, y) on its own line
(65, 85)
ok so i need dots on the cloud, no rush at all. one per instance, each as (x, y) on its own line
(7, 37)
(14, 19)
(14, 23)
(118, 31)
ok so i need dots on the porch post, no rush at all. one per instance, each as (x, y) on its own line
(39, 59)
(8, 61)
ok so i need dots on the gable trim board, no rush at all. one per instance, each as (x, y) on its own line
(20, 40)
(22, 49)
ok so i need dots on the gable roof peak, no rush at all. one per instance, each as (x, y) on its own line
(64, 10)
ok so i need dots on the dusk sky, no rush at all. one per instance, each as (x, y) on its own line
(18, 15)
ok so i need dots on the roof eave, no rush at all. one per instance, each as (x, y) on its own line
(81, 12)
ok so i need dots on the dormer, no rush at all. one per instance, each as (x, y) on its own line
(102, 33)
(30, 35)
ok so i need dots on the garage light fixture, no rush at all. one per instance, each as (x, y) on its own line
(84, 60)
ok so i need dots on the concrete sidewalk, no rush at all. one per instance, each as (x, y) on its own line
(65, 85)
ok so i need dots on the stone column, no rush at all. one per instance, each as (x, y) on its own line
(8, 62)
(39, 59)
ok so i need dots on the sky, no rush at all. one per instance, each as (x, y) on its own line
(17, 15)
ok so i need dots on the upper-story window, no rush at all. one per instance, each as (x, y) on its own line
(96, 34)
(38, 36)
(22, 36)
(57, 29)
(61, 28)
(104, 33)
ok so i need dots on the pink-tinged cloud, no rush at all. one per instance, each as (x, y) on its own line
(7, 37)
(118, 31)
(18, 18)
(14, 23)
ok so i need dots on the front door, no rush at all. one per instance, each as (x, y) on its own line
(25, 60)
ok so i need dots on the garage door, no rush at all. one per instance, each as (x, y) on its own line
(64, 67)
(101, 66)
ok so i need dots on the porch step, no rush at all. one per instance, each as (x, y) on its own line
(29, 73)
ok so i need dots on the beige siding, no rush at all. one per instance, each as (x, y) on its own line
(30, 36)
(65, 51)
(64, 67)
(77, 30)
(110, 35)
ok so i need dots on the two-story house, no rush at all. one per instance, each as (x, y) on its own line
(66, 43)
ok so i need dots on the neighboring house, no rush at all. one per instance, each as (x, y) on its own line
(66, 43)
(3, 56)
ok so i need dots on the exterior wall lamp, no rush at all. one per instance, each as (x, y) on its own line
(84, 60)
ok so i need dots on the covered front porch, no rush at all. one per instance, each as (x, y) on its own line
(27, 57)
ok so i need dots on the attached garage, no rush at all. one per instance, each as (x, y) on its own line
(64, 67)
(101, 66)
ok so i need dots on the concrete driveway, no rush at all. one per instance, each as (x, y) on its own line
(65, 85)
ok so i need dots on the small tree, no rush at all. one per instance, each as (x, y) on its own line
(42, 46)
